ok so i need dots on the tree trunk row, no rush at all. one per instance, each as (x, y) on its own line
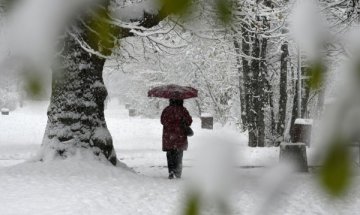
(255, 83)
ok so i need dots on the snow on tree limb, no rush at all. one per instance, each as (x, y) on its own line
(136, 11)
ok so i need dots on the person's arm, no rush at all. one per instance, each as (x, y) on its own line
(162, 118)
(187, 118)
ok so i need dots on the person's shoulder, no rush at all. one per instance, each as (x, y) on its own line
(184, 109)
(167, 108)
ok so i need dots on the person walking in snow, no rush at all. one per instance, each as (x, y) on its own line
(174, 140)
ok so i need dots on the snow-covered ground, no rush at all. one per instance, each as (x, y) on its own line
(81, 186)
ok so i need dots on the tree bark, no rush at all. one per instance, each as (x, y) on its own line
(272, 114)
(76, 122)
(305, 98)
(248, 85)
(294, 111)
(256, 110)
(283, 88)
(263, 95)
(242, 93)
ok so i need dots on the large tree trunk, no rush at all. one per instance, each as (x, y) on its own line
(283, 88)
(242, 93)
(305, 98)
(263, 85)
(248, 85)
(294, 113)
(76, 122)
(256, 110)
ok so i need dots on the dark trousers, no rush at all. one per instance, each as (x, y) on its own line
(174, 160)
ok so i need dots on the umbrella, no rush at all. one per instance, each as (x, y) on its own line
(173, 91)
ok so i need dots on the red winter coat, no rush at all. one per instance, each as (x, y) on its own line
(174, 136)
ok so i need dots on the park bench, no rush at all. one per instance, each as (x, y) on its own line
(207, 121)
(302, 131)
(5, 111)
(132, 112)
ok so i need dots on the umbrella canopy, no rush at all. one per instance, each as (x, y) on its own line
(173, 91)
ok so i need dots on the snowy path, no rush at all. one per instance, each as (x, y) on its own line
(137, 140)
(88, 187)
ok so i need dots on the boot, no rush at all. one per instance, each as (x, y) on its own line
(171, 175)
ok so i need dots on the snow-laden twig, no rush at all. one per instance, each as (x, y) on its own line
(86, 47)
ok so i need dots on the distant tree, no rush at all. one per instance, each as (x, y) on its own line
(256, 34)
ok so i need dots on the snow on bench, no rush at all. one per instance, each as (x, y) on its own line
(304, 121)
(302, 131)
